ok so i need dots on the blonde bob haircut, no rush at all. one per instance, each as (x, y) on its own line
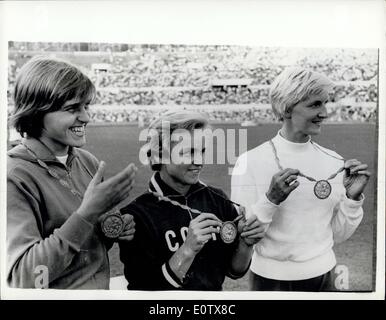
(159, 138)
(296, 84)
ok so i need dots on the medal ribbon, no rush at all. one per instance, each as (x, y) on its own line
(185, 207)
(300, 173)
(54, 174)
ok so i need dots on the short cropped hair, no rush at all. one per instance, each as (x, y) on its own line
(173, 120)
(294, 85)
(43, 85)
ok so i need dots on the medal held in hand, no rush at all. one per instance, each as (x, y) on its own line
(112, 225)
(228, 231)
(322, 188)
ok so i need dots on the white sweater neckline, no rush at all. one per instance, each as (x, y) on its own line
(286, 145)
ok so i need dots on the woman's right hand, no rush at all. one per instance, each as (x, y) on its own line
(282, 184)
(200, 232)
(100, 197)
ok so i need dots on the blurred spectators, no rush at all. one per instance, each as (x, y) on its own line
(167, 75)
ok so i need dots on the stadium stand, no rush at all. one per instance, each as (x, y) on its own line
(228, 77)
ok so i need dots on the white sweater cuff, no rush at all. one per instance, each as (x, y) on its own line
(350, 207)
(264, 209)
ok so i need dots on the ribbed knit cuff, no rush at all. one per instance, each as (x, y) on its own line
(170, 276)
(350, 206)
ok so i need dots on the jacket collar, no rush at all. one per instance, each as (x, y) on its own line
(158, 185)
(39, 150)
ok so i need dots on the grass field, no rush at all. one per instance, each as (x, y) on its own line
(118, 145)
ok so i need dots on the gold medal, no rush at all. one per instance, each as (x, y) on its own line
(322, 189)
(112, 225)
(228, 232)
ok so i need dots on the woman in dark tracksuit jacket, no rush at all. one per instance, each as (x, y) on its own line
(177, 243)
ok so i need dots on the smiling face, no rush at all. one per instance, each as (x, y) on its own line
(186, 162)
(305, 118)
(66, 127)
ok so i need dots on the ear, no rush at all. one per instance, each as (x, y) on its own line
(287, 113)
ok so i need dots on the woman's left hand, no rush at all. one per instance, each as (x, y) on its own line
(128, 232)
(355, 178)
(251, 230)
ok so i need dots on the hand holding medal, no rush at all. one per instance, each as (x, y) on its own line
(117, 226)
(355, 178)
(251, 230)
(282, 184)
(200, 231)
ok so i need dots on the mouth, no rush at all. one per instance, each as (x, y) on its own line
(195, 171)
(317, 122)
(78, 130)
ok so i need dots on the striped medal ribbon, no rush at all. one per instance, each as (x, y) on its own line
(322, 188)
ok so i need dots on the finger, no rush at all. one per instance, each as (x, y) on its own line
(127, 218)
(290, 180)
(121, 195)
(257, 230)
(128, 182)
(252, 235)
(365, 173)
(99, 174)
(204, 238)
(287, 172)
(204, 216)
(254, 225)
(358, 168)
(126, 238)
(123, 176)
(127, 232)
(292, 187)
(351, 162)
(203, 229)
(251, 221)
(130, 226)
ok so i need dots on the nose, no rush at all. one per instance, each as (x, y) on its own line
(198, 159)
(323, 111)
(84, 115)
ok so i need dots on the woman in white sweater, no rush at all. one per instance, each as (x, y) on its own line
(308, 196)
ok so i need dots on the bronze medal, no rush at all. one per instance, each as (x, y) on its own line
(228, 232)
(112, 225)
(322, 189)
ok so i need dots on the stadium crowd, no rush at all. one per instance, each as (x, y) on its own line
(252, 115)
(167, 75)
(218, 96)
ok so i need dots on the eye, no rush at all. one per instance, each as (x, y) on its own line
(316, 104)
(71, 109)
